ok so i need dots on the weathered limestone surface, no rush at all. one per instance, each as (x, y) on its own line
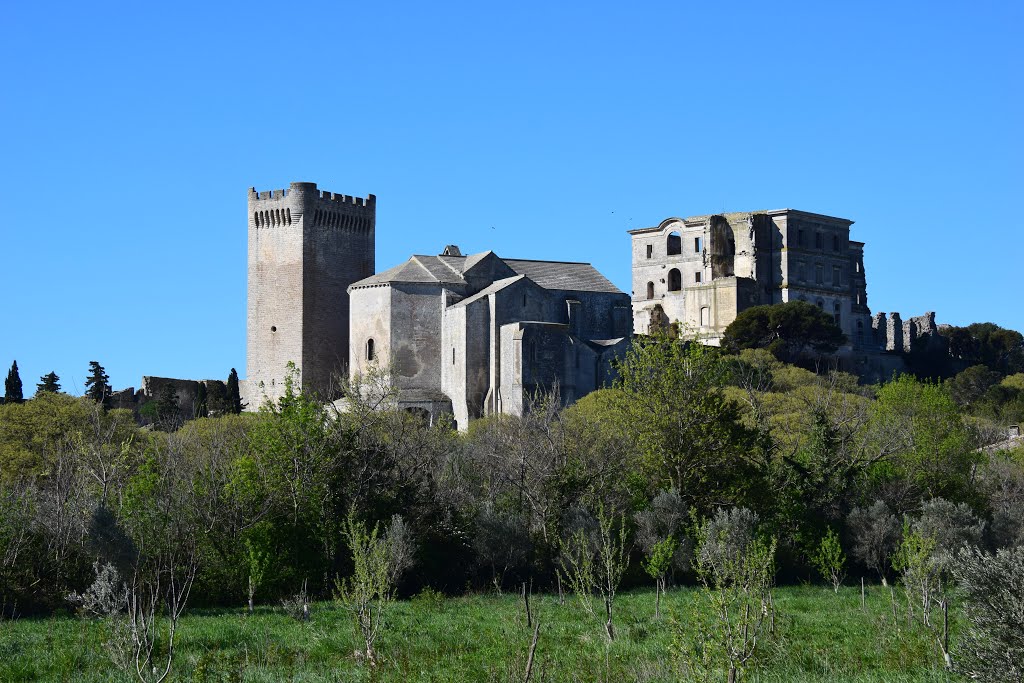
(306, 246)
(477, 335)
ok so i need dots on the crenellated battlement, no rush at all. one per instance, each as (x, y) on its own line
(310, 189)
(338, 198)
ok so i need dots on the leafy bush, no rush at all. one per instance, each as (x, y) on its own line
(991, 647)
(875, 532)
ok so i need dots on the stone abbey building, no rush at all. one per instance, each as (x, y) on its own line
(480, 334)
(466, 335)
(474, 335)
(699, 273)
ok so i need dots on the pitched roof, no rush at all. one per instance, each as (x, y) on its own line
(562, 275)
(495, 286)
(580, 277)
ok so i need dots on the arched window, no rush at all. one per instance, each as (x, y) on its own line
(370, 353)
(705, 316)
(675, 280)
(675, 244)
(650, 290)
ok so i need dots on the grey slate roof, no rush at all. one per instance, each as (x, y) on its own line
(495, 286)
(562, 275)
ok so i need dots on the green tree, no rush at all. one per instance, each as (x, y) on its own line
(12, 386)
(658, 564)
(794, 331)
(988, 344)
(97, 386)
(830, 560)
(918, 439)
(235, 404)
(684, 430)
(48, 383)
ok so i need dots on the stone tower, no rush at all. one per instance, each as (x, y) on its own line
(306, 247)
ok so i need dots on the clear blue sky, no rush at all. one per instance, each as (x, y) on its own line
(538, 130)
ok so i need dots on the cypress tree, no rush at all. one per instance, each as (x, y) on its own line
(201, 409)
(12, 386)
(235, 404)
(49, 383)
(97, 387)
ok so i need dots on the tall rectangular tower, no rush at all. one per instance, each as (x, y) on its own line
(306, 247)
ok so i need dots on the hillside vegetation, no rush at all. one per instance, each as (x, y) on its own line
(728, 473)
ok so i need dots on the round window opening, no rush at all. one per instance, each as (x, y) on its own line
(273, 328)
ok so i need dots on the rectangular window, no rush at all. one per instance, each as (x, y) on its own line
(837, 275)
(801, 271)
(697, 245)
(819, 274)
(799, 238)
(835, 242)
(650, 250)
(817, 240)
(696, 277)
(453, 355)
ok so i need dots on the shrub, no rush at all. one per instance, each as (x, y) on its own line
(991, 647)
(874, 532)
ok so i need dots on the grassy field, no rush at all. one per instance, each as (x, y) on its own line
(821, 637)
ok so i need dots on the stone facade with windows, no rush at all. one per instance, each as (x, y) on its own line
(701, 272)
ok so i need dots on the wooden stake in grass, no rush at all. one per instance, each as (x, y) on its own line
(526, 603)
(533, 650)
(862, 605)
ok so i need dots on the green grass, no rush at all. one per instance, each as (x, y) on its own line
(821, 637)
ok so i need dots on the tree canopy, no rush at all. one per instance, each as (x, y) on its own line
(791, 331)
(97, 386)
(48, 383)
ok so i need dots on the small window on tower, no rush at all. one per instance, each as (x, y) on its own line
(650, 250)
(370, 353)
(650, 290)
(697, 245)
(696, 277)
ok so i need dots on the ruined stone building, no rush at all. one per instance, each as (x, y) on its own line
(477, 335)
(700, 272)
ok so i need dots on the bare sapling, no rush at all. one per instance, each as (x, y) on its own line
(377, 564)
(736, 569)
(593, 563)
